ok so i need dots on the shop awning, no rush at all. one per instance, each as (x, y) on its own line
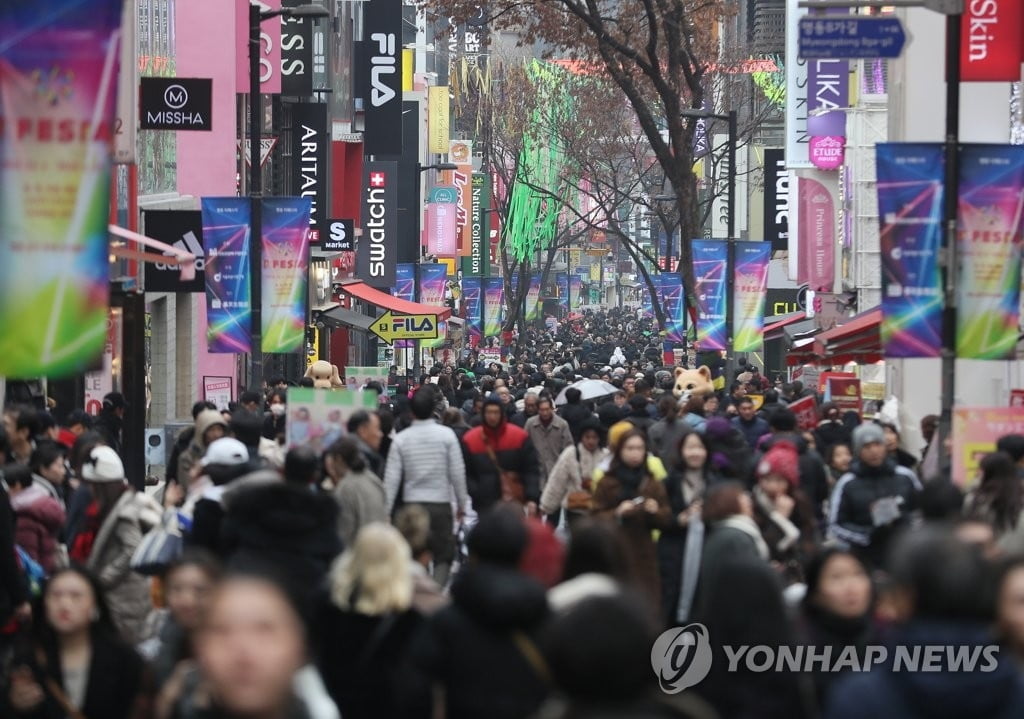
(361, 290)
(773, 331)
(341, 317)
(858, 340)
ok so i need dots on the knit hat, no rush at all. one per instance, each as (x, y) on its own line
(866, 434)
(782, 460)
(103, 465)
(617, 430)
(227, 451)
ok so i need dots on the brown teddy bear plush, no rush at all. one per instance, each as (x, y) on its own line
(691, 382)
(325, 375)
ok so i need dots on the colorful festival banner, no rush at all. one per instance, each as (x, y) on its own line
(284, 284)
(646, 303)
(989, 218)
(433, 282)
(472, 293)
(226, 235)
(562, 281)
(674, 307)
(975, 431)
(750, 288)
(405, 288)
(533, 307)
(910, 213)
(58, 83)
(710, 258)
(494, 303)
(575, 292)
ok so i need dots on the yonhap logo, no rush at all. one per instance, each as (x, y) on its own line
(176, 97)
(681, 657)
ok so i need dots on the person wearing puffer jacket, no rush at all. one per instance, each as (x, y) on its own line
(38, 516)
(210, 426)
(122, 518)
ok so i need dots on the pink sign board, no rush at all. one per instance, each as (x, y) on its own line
(817, 235)
(442, 227)
(827, 152)
(975, 431)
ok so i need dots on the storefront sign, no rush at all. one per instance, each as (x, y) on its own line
(175, 103)
(377, 255)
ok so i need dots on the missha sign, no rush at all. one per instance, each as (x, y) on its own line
(175, 103)
(992, 41)
(377, 256)
(827, 152)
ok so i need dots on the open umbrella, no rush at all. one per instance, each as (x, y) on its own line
(589, 389)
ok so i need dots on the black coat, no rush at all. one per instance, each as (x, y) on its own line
(109, 426)
(575, 415)
(13, 588)
(115, 688)
(362, 661)
(472, 648)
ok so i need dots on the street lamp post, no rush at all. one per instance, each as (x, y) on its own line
(257, 16)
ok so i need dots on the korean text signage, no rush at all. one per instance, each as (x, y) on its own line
(975, 430)
(175, 103)
(910, 199)
(673, 304)
(182, 229)
(296, 53)
(990, 206)
(285, 273)
(340, 237)
(751, 281)
(58, 81)
(378, 247)
(226, 231)
(992, 40)
(776, 199)
(311, 139)
(382, 81)
(710, 260)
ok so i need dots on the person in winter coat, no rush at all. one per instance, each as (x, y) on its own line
(628, 493)
(39, 517)
(210, 426)
(813, 482)
(115, 524)
(782, 512)
(13, 587)
(512, 452)
(664, 434)
(830, 429)
(998, 500)
(957, 616)
(75, 664)
(358, 491)
(184, 439)
(688, 480)
(748, 423)
(50, 471)
(874, 499)
(365, 627)
(574, 412)
(549, 435)
(574, 469)
(730, 454)
(836, 611)
(480, 653)
(110, 421)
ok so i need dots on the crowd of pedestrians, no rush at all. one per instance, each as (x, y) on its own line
(490, 542)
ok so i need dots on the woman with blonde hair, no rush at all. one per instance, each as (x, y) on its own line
(366, 624)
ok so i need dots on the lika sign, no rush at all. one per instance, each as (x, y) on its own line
(266, 147)
(992, 41)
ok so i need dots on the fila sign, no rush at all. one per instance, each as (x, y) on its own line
(377, 255)
(381, 83)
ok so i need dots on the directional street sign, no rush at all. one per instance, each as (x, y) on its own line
(390, 327)
(837, 37)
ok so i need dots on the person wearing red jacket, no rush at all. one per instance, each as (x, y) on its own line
(494, 446)
(38, 517)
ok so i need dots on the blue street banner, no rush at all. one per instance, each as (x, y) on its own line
(674, 306)
(472, 294)
(710, 260)
(405, 289)
(750, 288)
(227, 231)
(494, 303)
(910, 197)
(58, 87)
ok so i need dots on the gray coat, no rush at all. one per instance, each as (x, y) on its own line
(362, 500)
(548, 441)
(127, 593)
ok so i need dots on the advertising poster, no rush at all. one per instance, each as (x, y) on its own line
(989, 207)
(646, 302)
(317, 417)
(806, 411)
(58, 88)
(975, 431)
(356, 378)
(910, 213)
(562, 281)
(845, 393)
(226, 232)
(219, 390)
(472, 293)
(494, 304)
(710, 258)
(816, 235)
(405, 288)
(433, 282)
(440, 224)
(674, 306)
(749, 292)
(533, 307)
(575, 292)
(285, 277)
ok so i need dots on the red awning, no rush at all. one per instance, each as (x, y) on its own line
(362, 291)
(866, 322)
(786, 320)
(858, 340)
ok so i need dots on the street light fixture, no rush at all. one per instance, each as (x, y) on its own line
(257, 16)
